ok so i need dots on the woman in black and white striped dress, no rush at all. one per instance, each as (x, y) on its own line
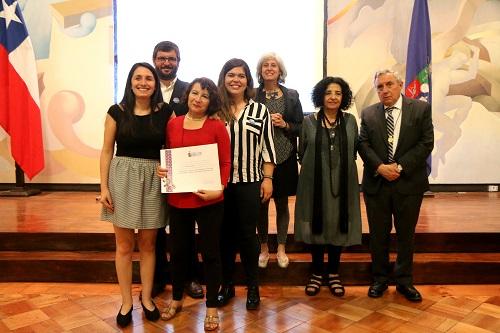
(250, 181)
(130, 189)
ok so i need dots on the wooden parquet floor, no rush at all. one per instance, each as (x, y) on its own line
(78, 212)
(71, 307)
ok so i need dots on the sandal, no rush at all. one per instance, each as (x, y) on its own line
(335, 286)
(211, 323)
(314, 285)
(283, 260)
(263, 259)
(170, 312)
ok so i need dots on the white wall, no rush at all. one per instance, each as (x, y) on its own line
(209, 33)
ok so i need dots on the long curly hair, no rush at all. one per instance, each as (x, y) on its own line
(318, 93)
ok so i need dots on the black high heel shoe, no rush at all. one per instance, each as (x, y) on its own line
(123, 320)
(253, 298)
(225, 294)
(152, 315)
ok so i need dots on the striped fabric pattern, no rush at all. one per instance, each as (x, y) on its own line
(251, 143)
(390, 134)
(135, 191)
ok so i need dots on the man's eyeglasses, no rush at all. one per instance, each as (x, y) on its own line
(165, 59)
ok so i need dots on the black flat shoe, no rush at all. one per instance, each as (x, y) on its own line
(152, 315)
(225, 294)
(409, 292)
(253, 298)
(123, 320)
(194, 289)
(377, 289)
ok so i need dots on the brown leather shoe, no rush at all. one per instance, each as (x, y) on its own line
(194, 289)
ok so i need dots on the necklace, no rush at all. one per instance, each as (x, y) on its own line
(332, 124)
(330, 131)
(272, 94)
(188, 116)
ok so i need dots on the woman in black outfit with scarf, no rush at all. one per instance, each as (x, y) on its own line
(286, 115)
(327, 211)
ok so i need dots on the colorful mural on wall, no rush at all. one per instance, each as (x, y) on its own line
(367, 35)
(73, 42)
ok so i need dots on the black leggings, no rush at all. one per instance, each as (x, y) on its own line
(318, 255)
(209, 220)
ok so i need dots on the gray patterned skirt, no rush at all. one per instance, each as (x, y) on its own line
(135, 191)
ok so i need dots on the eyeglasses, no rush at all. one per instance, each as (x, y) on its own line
(165, 59)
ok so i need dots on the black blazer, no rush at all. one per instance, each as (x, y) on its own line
(176, 103)
(416, 141)
(293, 114)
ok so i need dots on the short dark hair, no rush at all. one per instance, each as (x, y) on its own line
(318, 93)
(166, 46)
(213, 94)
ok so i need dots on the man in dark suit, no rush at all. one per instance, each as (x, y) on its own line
(396, 137)
(166, 58)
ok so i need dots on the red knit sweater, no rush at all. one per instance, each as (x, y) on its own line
(212, 131)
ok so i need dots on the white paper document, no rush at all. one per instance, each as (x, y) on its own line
(190, 169)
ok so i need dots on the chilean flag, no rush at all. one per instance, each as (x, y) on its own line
(418, 61)
(19, 96)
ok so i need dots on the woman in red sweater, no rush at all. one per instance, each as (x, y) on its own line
(205, 207)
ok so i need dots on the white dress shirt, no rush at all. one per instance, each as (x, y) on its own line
(166, 91)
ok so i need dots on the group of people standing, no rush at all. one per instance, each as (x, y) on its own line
(256, 133)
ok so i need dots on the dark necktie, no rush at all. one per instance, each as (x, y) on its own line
(390, 134)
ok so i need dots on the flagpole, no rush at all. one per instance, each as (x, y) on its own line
(20, 190)
(418, 82)
(20, 114)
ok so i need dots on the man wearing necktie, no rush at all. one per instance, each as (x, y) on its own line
(396, 137)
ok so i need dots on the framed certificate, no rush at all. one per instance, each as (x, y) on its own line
(190, 169)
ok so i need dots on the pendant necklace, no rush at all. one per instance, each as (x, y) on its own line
(272, 94)
(188, 116)
(330, 131)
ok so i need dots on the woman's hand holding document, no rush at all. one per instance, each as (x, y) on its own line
(190, 169)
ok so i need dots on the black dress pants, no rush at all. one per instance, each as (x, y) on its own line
(381, 208)
(241, 213)
(161, 261)
(209, 220)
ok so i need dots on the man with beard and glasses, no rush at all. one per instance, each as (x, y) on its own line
(166, 58)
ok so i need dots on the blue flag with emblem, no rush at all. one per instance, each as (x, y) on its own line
(418, 61)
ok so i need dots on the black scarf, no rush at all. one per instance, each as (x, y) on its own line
(317, 221)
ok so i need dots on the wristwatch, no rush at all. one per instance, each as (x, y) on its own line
(400, 168)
